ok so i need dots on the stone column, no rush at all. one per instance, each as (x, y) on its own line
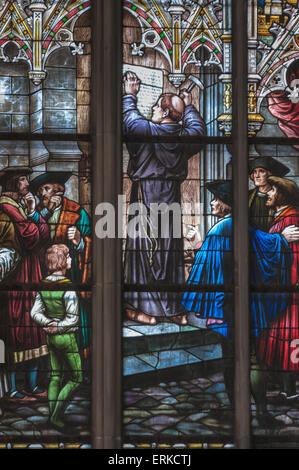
(240, 228)
(106, 184)
(225, 120)
(37, 74)
(176, 9)
(255, 120)
(267, 7)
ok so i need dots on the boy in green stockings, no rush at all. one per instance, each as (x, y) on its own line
(58, 313)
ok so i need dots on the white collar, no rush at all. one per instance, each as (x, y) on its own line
(55, 277)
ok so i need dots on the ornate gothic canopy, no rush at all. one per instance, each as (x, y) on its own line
(31, 30)
(179, 28)
(273, 46)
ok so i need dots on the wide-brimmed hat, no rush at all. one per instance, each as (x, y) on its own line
(268, 163)
(222, 189)
(53, 177)
(12, 172)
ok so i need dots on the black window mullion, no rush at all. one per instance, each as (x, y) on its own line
(240, 224)
(106, 119)
(106, 186)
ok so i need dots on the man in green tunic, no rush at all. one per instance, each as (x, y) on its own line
(259, 170)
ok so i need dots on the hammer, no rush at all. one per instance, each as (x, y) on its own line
(195, 81)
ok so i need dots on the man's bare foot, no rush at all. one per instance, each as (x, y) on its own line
(141, 317)
(180, 320)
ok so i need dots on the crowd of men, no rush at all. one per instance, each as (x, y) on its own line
(274, 265)
(157, 168)
(35, 215)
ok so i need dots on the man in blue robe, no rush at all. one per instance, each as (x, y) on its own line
(157, 171)
(270, 258)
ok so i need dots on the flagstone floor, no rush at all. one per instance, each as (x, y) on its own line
(198, 411)
(178, 412)
(30, 419)
(160, 409)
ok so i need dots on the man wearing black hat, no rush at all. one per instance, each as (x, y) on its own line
(260, 169)
(69, 224)
(213, 266)
(25, 232)
(276, 345)
(262, 214)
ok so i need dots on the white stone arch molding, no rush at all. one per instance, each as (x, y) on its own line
(24, 54)
(64, 36)
(189, 54)
(160, 44)
(61, 47)
(278, 74)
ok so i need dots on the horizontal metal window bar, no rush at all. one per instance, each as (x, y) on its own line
(12, 136)
(18, 136)
(274, 140)
(274, 289)
(206, 140)
(176, 288)
(170, 139)
(33, 287)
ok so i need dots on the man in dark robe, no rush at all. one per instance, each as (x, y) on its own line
(157, 171)
(260, 169)
(25, 232)
(270, 258)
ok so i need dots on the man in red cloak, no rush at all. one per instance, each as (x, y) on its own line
(275, 345)
(25, 231)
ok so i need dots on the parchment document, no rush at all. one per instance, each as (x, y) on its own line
(150, 89)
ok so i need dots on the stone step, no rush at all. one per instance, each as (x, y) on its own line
(172, 358)
(142, 339)
(165, 347)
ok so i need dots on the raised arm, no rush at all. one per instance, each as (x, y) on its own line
(192, 125)
(192, 122)
(134, 124)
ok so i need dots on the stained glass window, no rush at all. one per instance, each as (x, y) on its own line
(45, 166)
(178, 323)
(183, 48)
(180, 306)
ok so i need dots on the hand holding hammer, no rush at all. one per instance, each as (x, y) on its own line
(185, 93)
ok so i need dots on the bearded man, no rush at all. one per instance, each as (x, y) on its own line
(276, 345)
(69, 224)
(26, 232)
